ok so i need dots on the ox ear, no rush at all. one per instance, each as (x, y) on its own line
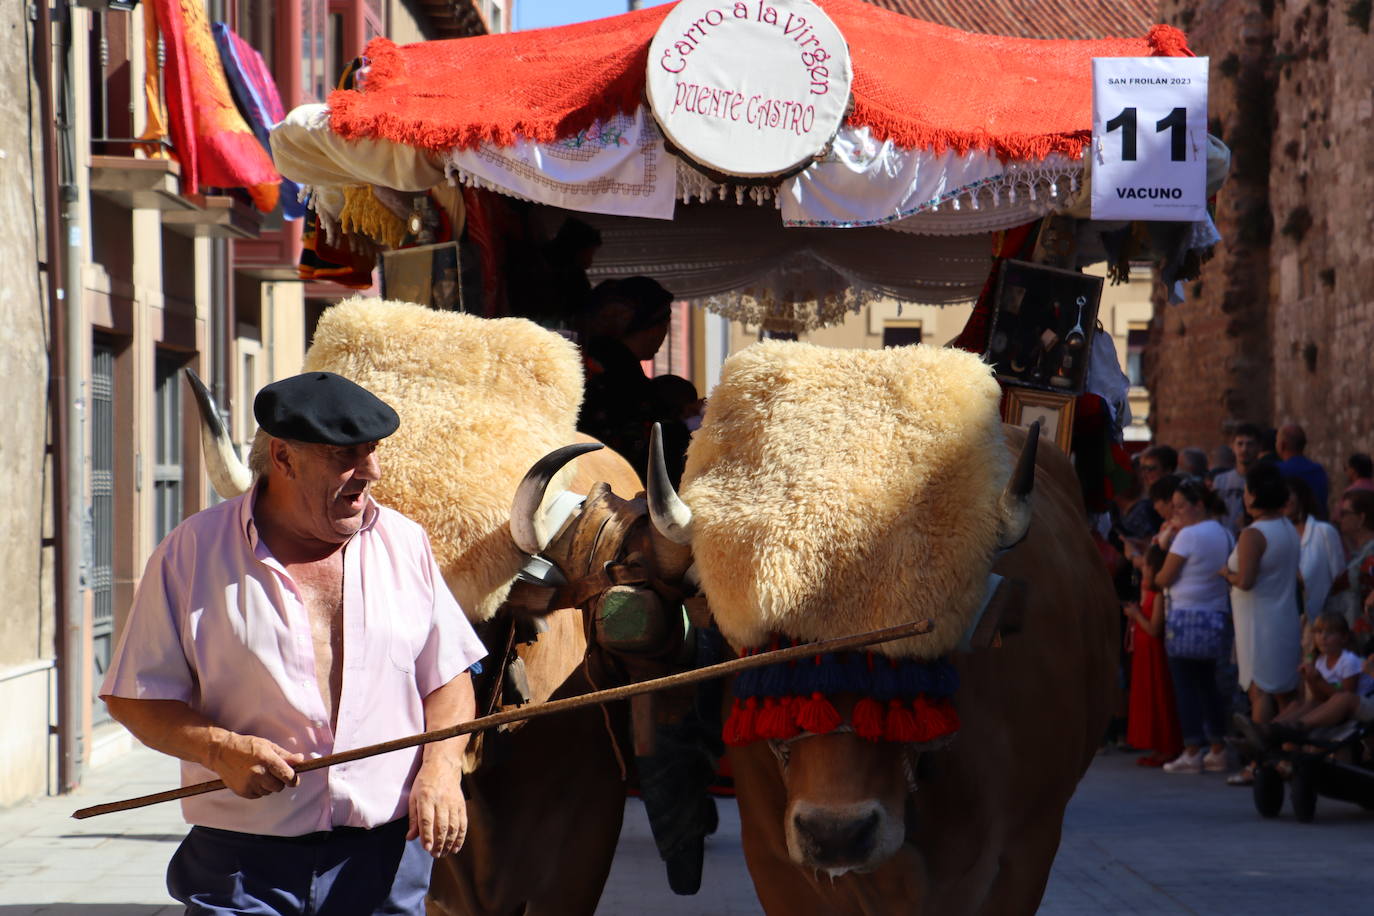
(671, 516)
(531, 529)
(1016, 499)
(228, 475)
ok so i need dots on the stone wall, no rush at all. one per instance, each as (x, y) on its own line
(1322, 200)
(1280, 325)
(1207, 363)
(23, 354)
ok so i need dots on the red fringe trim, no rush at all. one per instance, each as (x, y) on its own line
(868, 719)
(777, 721)
(404, 99)
(740, 726)
(818, 715)
(905, 722)
(1167, 41)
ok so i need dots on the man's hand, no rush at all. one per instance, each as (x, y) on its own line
(438, 811)
(252, 767)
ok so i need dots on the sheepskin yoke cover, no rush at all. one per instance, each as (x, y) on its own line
(840, 491)
(480, 401)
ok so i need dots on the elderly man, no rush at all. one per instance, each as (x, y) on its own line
(294, 621)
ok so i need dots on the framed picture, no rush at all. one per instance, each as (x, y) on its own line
(1023, 406)
(425, 274)
(1042, 326)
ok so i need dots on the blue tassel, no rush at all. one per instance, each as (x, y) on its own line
(911, 679)
(804, 674)
(746, 684)
(855, 674)
(830, 679)
(774, 681)
(886, 680)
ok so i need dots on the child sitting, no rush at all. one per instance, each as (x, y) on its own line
(1338, 686)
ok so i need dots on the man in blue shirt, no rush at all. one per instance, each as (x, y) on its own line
(1291, 443)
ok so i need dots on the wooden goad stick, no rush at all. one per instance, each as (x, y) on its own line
(722, 669)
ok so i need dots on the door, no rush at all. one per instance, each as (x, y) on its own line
(102, 516)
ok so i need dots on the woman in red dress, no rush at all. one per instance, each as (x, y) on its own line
(1151, 722)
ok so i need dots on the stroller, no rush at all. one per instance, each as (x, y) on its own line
(1336, 762)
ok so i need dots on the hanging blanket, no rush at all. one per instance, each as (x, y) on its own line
(256, 94)
(210, 138)
(921, 85)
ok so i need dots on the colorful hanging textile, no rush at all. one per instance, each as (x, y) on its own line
(365, 214)
(256, 94)
(209, 137)
(155, 129)
(336, 262)
(921, 85)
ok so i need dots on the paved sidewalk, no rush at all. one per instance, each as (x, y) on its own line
(1135, 841)
(102, 866)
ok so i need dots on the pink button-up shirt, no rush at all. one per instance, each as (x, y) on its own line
(219, 624)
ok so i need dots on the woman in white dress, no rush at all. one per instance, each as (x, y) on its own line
(1321, 555)
(1263, 573)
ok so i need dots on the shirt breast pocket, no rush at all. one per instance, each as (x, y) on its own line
(405, 636)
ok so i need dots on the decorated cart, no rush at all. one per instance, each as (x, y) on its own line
(782, 163)
(719, 145)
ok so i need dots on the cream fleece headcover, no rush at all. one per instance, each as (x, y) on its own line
(480, 400)
(840, 491)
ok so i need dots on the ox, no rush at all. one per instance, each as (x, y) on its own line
(479, 402)
(842, 490)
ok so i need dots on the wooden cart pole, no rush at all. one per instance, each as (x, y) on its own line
(544, 709)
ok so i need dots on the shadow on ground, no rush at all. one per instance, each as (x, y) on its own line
(86, 909)
(145, 837)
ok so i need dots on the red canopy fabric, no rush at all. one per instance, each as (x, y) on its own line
(920, 84)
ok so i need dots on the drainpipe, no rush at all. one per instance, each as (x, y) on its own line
(62, 241)
(219, 322)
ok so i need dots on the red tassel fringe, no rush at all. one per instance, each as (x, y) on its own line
(906, 722)
(740, 726)
(818, 715)
(868, 719)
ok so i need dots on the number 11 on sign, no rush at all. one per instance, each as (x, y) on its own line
(1158, 174)
(1175, 122)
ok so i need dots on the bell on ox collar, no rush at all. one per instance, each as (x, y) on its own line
(635, 621)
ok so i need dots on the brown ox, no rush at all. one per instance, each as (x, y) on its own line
(546, 798)
(546, 803)
(836, 824)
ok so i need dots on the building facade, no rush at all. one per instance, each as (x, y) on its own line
(121, 280)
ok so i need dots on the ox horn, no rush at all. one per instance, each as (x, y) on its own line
(528, 526)
(671, 516)
(1016, 500)
(228, 474)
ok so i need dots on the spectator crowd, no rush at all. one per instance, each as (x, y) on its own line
(1246, 575)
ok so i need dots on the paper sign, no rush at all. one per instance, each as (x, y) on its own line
(1149, 138)
(754, 88)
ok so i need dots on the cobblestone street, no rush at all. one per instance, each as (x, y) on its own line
(1135, 841)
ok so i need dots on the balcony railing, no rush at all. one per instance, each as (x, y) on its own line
(140, 171)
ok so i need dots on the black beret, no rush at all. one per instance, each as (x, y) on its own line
(323, 407)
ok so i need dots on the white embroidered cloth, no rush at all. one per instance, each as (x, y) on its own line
(618, 166)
